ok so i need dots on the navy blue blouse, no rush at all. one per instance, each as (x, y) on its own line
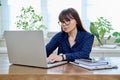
(80, 50)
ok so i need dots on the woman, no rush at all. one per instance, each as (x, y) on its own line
(73, 42)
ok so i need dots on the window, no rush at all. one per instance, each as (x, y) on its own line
(16, 6)
(88, 10)
(4, 16)
(108, 9)
(55, 7)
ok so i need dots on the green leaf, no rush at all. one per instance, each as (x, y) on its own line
(116, 34)
(109, 37)
(29, 20)
(117, 40)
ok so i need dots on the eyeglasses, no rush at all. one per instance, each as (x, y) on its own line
(64, 23)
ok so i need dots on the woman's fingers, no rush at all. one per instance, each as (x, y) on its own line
(54, 58)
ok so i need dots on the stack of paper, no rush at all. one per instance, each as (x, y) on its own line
(92, 64)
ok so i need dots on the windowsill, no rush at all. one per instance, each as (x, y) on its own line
(105, 52)
(3, 50)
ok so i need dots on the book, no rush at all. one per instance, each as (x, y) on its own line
(90, 62)
(95, 67)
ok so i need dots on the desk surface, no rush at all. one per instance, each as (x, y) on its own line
(63, 72)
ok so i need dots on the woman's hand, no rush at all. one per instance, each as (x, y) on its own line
(54, 58)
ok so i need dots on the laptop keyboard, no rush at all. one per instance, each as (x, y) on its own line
(52, 62)
(57, 62)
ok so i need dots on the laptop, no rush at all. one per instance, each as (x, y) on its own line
(27, 48)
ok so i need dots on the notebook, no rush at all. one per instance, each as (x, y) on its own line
(27, 48)
(93, 65)
(91, 62)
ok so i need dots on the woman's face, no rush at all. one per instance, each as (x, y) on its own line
(68, 26)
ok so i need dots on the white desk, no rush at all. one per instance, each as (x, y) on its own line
(103, 52)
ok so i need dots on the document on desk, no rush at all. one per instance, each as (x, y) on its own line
(91, 62)
(93, 65)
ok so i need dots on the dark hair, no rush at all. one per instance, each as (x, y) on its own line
(71, 13)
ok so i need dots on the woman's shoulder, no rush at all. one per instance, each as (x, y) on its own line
(59, 34)
(85, 33)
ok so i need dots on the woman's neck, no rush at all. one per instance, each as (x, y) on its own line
(72, 36)
(73, 33)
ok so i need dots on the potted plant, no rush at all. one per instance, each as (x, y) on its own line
(116, 36)
(0, 3)
(30, 20)
(101, 28)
